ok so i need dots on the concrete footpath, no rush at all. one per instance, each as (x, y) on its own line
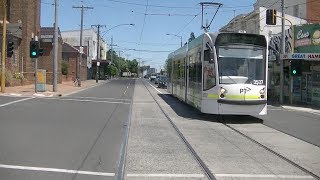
(65, 88)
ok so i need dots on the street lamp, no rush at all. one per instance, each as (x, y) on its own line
(116, 26)
(176, 36)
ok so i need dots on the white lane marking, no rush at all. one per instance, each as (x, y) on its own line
(167, 175)
(291, 110)
(264, 176)
(154, 88)
(30, 168)
(15, 94)
(68, 94)
(101, 98)
(6, 104)
(86, 100)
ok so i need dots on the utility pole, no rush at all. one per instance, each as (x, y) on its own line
(3, 52)
(283, 49)
(98, 50)
(80, 58)
(55, 50)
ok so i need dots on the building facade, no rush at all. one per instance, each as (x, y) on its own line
(304, 9)
(23, 21)
(90, 40)
(46, 60)
(70, 56)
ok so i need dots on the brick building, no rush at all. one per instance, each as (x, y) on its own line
(46, 60)
(23, 20)
(70, 56)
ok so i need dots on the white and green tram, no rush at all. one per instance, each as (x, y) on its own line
(221, 73)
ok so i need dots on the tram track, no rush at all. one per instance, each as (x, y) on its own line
(200, 162)
(269, 149)
(221, 119)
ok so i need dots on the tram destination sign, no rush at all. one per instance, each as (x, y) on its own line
(305, 56)
(242, 38)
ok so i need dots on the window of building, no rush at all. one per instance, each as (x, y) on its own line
(15, 57)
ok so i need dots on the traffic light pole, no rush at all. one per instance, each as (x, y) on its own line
(3, 53)
(35, 69)
(283, 49)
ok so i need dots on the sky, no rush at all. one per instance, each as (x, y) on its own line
(153, 20)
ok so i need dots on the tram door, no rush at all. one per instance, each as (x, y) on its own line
(306, 88)
(186, 78)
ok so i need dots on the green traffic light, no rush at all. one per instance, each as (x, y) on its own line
(294, 72)
(34, 53)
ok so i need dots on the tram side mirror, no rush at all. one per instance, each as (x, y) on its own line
(278, 59)
(211, 59)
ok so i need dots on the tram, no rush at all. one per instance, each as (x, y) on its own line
(221, 73)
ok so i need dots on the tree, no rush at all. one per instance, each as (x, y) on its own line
(133, 66)
(192, 37)
(168, 66)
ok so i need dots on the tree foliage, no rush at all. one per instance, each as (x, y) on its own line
(119, 64)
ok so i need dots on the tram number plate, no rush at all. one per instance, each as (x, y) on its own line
(257, 82)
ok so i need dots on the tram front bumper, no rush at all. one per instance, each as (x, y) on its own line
(257, 107)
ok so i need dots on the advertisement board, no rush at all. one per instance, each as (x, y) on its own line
(307, 38)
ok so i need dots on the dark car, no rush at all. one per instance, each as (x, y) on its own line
(162, 82)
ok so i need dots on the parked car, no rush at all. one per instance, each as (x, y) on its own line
(162, 82)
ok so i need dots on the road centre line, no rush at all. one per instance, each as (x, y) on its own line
(20, 100)
(167, 175)
(264, 176)
(30, 168)
(86, 100)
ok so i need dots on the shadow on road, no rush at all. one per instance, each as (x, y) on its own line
(188, 112)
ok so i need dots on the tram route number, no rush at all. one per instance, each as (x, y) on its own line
(257, 82)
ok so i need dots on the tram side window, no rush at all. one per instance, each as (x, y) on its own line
(199, 68)
(209, 72)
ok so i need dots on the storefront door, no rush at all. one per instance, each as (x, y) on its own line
(306, 88)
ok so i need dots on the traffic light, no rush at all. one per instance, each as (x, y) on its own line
(296, 67)
(271, 17)
(34, 49)
(10, 48)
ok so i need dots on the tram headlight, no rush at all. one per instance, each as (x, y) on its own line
(222, 92)
(262, 92)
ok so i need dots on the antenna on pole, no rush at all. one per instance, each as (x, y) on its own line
(203, 6)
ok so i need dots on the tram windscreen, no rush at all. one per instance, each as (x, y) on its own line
(239, 64)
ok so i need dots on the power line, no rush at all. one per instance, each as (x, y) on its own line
(170, 7)
(144, 22)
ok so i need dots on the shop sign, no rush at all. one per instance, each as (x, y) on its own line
(307, 38)
(304, 56)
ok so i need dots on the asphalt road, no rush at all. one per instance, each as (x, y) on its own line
(302, 125)
(73, 137)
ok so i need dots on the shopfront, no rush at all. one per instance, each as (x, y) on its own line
(305, 88)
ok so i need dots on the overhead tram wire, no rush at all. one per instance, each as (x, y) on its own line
(169, 7)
